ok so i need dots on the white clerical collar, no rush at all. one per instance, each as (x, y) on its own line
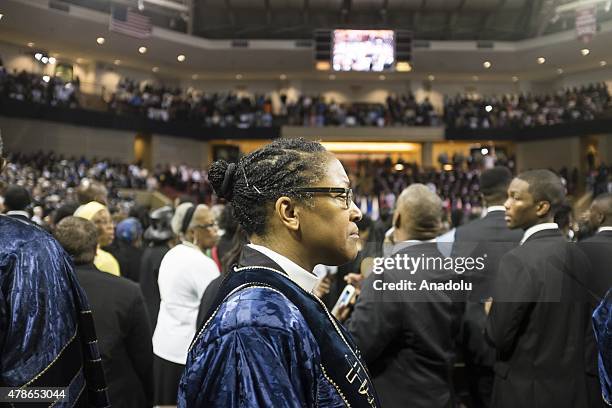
(296, 273)
(537, 228)
(602, 229)
(16, 212)
(496, 208)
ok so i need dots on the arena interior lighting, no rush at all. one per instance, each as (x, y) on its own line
(332, 77)
(560, 71)
(370, 147)
(155, 69)
(322, 66)
(484, 151)
(541, 60)
(602, 63)
(431, 78)
(100, 40)
(403, 67)
(487, 64)
(117, 62)
(382, 77)
(585, 52)
(142, 50)
(488, 108)
(180, 58)
(30, 44)
(515, 79)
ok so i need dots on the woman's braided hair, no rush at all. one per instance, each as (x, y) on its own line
(266, 174)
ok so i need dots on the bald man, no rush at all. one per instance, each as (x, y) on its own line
(407, 336)
(598, 249)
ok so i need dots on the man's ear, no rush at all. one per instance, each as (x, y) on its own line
(397, 220)
(288, 215)
(543, 208)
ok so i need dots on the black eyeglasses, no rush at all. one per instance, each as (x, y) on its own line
(345, 193)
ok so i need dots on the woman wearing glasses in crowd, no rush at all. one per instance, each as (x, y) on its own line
(267, 341)
(184, 274)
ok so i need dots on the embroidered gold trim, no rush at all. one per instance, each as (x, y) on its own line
(53, 362)
(335, 386)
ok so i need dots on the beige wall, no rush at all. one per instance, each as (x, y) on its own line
(28, 136)
(175, 150)
(552, 153)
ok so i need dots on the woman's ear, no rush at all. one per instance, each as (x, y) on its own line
(287, 213)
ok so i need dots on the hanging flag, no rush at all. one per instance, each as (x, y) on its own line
(126, 21)
(586, 23)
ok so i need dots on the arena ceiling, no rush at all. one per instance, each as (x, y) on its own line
(440, 20)
(72, 34)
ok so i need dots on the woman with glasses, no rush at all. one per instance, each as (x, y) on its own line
(267, 341)
(184, 274)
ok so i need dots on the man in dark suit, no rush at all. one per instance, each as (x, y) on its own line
(120, 318)
(539, 315)
(598, 250)
(407, 336)
(16, 202)
(489, 237)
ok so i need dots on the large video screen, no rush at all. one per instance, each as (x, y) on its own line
(363, 50)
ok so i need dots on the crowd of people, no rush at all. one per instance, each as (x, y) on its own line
(527, 110)
(40, 89)
(198, 305)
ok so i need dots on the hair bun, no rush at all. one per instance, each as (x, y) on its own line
(221, 177)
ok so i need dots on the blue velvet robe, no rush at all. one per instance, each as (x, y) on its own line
(268, 343)
(602, 323)
(47, 337)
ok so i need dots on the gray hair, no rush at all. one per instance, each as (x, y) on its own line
(179, 216)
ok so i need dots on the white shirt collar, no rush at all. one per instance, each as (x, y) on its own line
(496, 208)
(16, 212)
(601, 229)
(296, 273)
(537, 228)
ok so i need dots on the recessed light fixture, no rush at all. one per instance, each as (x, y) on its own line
(431, 78)
(38, 56)
(46, 78)
(541, 60)
(487, 64)
(403, 66)
(322, 66)
(239, 76)
(44, 60)
(602, 63)
(100, 40)
(585, 52)
(559, 71)
(488, 108)
(142, 50)
(52, 60)
(30, 44)
(382, 77)
(1, 15)
(155, 69)
(475, 78)
(180, 58)
(282, 77)
(515, 79)
(332, 77)
(194, 76)
(117, 62)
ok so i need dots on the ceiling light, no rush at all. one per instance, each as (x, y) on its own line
(332, 77)
(484, 151)
(382, 77)
(79, 60)
(180, 58)
(1, 15)
(155, 69)
(38, 56)
(100, 40)
(46, 78)
(559, 71)
(117, 62)
(447, 167)
(283, 77)
(607, 6)
(403, 67)
(142, 50)
(602, 63)
(52, 60)
(515, 79)
(488, 108)
(541, 60)
(44, 60)
(239, 76)
(194, 77)
(323, 66)
(431, 78)
(398, 167)
(475, 78)
(585, 52)
(486, 64)
(30, 44)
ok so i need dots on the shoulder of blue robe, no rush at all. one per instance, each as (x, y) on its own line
(602, 324)
(45, 335)
(256, 351)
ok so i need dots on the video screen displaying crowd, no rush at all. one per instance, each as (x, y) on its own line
(167, 104)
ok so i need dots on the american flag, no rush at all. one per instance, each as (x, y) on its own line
(125, 21)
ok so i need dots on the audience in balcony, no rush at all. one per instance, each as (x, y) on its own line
(527, 110)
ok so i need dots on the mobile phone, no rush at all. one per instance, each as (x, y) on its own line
(345, 298)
